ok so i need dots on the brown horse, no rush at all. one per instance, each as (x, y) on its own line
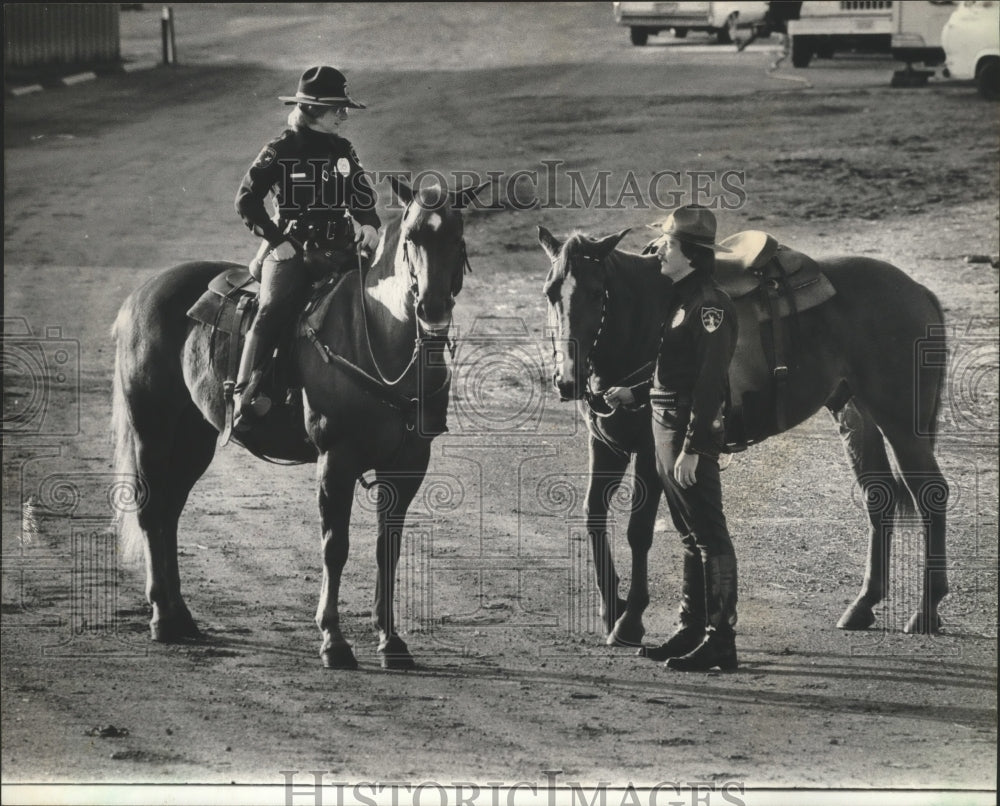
(169, 409)
(859, 355)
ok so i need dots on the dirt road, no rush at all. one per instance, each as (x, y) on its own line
(108, 183)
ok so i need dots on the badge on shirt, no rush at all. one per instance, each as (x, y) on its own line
(343, 166)
(265, 158)
(678, 317)
(711, 318)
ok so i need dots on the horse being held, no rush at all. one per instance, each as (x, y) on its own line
(373, 396)
(854, 349)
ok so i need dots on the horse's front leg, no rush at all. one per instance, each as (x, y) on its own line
(646, 494)
(336, 495)
(395, 492)
(865, 450)
(606, 470)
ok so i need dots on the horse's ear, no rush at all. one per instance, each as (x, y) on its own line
(402, 190)
(549, 243)
(605, 246)
(463, 197)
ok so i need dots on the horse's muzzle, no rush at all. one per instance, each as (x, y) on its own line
(568, 390)
(435, 315)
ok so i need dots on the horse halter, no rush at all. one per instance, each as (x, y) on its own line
(597, 336)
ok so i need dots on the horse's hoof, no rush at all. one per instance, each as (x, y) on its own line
(626, 636)
(611, 619)
(395, 654)
(856, 617)
(627, 633)
(176, 630)
(919, 624)
(338, 656)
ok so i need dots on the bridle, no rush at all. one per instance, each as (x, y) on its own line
(595, 400)
(456, 280)
(422, 333)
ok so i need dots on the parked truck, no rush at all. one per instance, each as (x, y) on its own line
(910, 31)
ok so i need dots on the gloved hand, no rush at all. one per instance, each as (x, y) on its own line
(366, 236)
(619, 396)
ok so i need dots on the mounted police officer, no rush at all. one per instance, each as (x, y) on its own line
(687, 397)
(325, 211)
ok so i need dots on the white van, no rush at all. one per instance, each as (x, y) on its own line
(910, 31)
(971, 40)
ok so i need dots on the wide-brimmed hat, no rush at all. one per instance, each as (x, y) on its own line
(694, 224)
(322, 86)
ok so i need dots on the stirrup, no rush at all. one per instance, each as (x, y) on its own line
(248, 413)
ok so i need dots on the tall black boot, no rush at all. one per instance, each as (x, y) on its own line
(691, 629)
(718, 649)
(250, 404)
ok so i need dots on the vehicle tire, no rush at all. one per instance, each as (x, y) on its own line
(680, 33)
(802, 51)
(639, 36)
(988, 79)
(824, 50)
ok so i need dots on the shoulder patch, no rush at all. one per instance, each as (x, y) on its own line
(711, 318)
(354, 155)
(266, 157)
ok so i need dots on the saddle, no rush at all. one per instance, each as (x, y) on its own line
(785, 281)
(770, 284)
(228, 306)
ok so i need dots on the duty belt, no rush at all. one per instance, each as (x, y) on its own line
(321, 231)
(664, 399)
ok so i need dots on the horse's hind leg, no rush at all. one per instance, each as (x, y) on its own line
(170, 460)
(395, 492)
(606, 470)
(922, 476)
(865, 450)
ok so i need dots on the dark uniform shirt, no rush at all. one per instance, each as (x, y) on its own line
(690, 384)
(315, 177)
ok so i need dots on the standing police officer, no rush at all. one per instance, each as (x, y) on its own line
(687, 398)
(325, 207)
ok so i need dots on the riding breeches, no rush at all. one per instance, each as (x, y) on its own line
(284, 290)
(696, 511)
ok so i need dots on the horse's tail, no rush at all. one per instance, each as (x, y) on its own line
(935, 334)
(938, 333)
(130, 486)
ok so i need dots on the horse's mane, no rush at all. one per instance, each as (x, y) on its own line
(618, 260)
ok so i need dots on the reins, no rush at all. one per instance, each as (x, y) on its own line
(417, 338)
(381, 386)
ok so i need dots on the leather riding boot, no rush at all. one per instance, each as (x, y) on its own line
(249, 403)
(691, 630)
(718, 649)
